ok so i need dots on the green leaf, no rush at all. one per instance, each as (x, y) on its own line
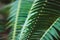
(16, 19)
(52, 32)
(15, 16)
(25, 6)
(42, 14)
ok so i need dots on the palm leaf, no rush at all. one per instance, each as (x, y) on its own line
(53, 33)
(25, 6)
(42, 14)
(15, 15)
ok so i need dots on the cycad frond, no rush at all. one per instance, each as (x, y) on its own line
(40, 17)
(25, 6)
(14, 15)
(53, 33)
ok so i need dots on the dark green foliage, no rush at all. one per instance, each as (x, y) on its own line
(53, 33)
(21, 18)
(32, 20)
(42, 15)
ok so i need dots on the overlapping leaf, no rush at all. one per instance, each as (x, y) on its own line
(53, 33)
(25, 6)
(42, 14)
